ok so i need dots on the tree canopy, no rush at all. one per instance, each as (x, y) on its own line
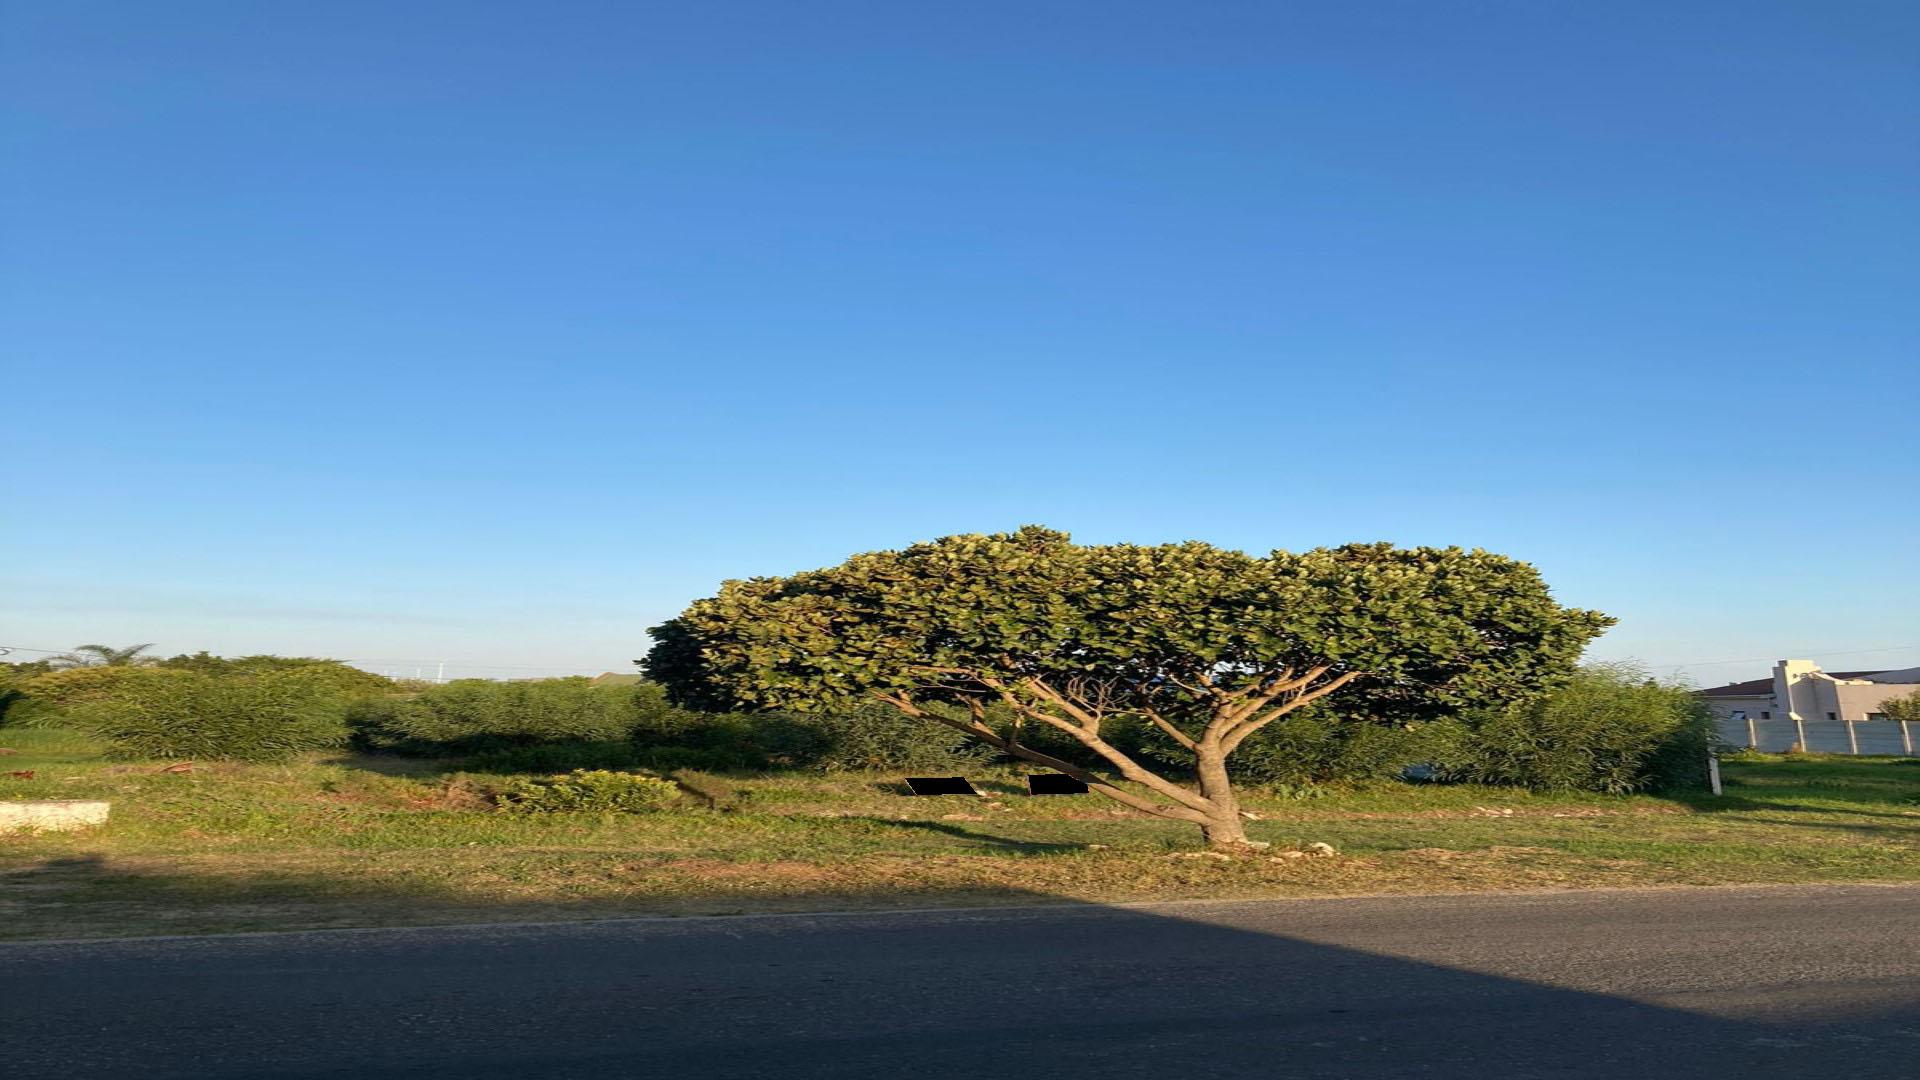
(1209, 645)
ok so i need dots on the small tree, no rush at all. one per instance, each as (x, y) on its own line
(1209, 646)
(1902, 708)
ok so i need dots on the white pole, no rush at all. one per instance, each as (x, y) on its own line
(1906, 739)
(1853, 740)
(1800, 732)
(1713, 771)
(1753, 735)
(442, 677)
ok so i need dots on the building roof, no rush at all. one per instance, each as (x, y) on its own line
(1763, 687)
(615, 678)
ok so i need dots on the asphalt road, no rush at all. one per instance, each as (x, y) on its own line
(1792, 982)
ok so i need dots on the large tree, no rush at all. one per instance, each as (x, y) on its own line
(1208, 645)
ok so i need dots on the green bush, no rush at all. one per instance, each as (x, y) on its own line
(875, 737)
(556, 758)
(13, 696)
(471, 716)
(590, 790)
(1610, 728)
(881, 737)
(347, 678)
(79, 685)
(1318, 745)
(163, 713)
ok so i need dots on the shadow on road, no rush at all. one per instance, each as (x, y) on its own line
(1468, 987)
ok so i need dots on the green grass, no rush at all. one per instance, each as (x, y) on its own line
(385, 841)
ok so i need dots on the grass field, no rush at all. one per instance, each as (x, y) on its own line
(385, 841)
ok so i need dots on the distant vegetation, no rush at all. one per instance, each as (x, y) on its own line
(1608, 729)
(1160, 676)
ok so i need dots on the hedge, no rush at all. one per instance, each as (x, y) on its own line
(143, 712)
(469, 716)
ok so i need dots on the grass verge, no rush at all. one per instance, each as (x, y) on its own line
(375, 842)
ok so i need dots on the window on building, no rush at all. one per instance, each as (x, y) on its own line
(1739, 714)
(1876, 716)
(1765, 715)
(1830, 716)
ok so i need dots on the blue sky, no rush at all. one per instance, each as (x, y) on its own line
(495, 332)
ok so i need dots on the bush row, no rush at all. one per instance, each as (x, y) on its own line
(1607, 729)
(161, 712)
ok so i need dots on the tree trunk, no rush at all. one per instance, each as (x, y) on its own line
(1224, 833)
(1223, 827)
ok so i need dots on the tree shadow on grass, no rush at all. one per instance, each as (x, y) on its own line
(982, 839)
(1492, 987)
(1731, 804)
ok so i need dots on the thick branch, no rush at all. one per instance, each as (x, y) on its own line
(994, 739)
(1283, 681)
(1089, 721)
(1121, 763)
(1166, 725)
(1087, 732)
(1239, 732)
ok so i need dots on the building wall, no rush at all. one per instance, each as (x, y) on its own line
(1802, 692)
(1724, 707)
(1801, 689)
(1856, 700)
(1823, 736)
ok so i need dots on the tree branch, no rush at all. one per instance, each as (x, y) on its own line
(1241, 731)
(1166, 725)
(1125, 765)
(1093, 781)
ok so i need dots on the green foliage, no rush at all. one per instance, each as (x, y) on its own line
(1453, 627)
(869, 737)
(346, 677)
(16, 706)
(158, 713)
(879, 737)
(12, 692)
(589, 790)
(555, 757)
(1610, 728)
(1322, 745)
(469, 716)
(72, 686)
(1902, 708)
(1090, 641)
(102, 656)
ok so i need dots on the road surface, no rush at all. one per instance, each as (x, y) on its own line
(1747, 983)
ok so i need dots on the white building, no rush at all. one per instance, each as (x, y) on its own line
(1799, 690)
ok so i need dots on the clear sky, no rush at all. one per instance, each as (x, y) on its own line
(495, 332)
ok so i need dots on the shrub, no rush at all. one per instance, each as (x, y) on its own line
(1610, 728)
(588, 789)
(469, 716)
(347, 678)
(13, 696)
(161, 713)
(862, 738)
(555, 758)
(81, 685)
(1318, 745)
(1906, 707)
(880, 737)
